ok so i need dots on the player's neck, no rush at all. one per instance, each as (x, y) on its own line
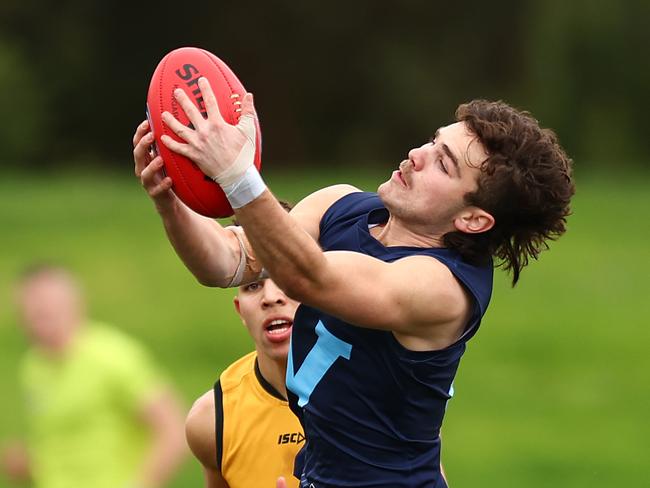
(274, 372)
(61, 347)
(394, 233)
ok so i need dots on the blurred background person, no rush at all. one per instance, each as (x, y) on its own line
(98, 411)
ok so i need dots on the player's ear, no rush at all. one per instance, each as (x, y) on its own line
(474, 220)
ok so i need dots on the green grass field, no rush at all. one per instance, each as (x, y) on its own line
(552, 392)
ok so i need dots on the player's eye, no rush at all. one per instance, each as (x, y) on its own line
(442, 166)
(255, 285)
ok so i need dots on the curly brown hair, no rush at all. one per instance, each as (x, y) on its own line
(525, 183)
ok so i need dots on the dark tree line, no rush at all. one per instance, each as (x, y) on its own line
(344, 81)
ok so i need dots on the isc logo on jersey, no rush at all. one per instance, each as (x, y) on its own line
(291, 438)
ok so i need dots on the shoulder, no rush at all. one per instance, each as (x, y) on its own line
(124, 365)
(105, 340)
(234, 374)
(31, 366)
(200, 429)
(310, 210)
(328, 195)
(118, 352)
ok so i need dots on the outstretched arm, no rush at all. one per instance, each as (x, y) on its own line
(415, 296)
(209, 251)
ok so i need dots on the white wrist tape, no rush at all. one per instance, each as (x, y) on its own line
(246, 189)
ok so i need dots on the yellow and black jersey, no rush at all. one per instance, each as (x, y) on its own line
(257, 434)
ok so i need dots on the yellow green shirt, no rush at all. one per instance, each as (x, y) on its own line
(83, 410)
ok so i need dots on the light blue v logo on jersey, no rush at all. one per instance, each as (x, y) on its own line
(319, 360)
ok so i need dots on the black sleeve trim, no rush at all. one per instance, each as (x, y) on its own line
(218, 421)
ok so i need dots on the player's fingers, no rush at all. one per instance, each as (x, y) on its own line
(177, 128)
(141, 153)
(157, 186)
(248, 105)
(178, 147)
(281, 483)
(140, 131)
(164, 186)
(143, 144)
(151, 175)
(247, 120)
(188, 107)
(211, 105)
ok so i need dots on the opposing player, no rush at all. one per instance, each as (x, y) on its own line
(242, 431)
(393, 284)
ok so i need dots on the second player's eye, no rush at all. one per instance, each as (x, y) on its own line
(255, 285)
(442, 166)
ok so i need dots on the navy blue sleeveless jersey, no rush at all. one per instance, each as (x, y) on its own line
(370, 408)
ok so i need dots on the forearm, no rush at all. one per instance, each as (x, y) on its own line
(225, 153)
(164, 416)
(205, 248)
(209, 251)
(290, 255)
(161, 462)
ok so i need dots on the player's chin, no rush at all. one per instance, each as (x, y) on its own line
(390, 191)
(279, 345)
(384, 188)
(278, 352)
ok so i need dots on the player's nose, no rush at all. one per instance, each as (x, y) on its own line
(416, 157)
(273, 295)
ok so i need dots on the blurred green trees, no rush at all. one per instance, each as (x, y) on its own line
(334, 81)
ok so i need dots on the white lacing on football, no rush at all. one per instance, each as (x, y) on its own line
(236, 102)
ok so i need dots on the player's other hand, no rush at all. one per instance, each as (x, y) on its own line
(212, 144)
(148, 168)
(281, 483)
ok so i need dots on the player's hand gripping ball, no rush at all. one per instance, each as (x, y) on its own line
(182, 68)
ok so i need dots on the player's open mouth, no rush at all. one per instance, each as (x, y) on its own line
(278, 329)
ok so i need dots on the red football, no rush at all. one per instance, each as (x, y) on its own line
(182, 68)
